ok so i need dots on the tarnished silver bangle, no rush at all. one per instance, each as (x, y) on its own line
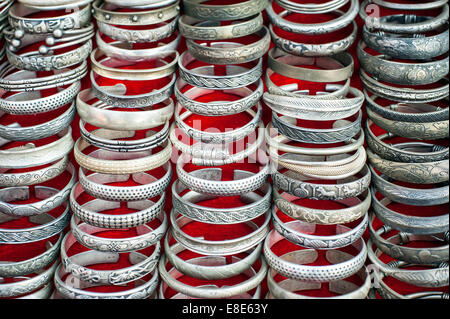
(195, 29)
(40, 131)
(406, 223)
(237, 11)
(231, 52)
(30, 155)
(51, 198)
(410, 6)
(49, 226)
(407, 195)
(337, 68)
(299, 233)
(402, 111)
(381, 68)
(221, 247)
(25, 267)
(25, 103)
(300, 270)
(186, 205)
(187, 99)
(146, 236)
(54, 4)
(307, 49)
(207, 271)
(94, 184)
(28, 285)
(204, 76)
(77, 265)
(309, 8)
(142, 289)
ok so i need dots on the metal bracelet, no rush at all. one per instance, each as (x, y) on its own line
(309, 8)
(238, 11)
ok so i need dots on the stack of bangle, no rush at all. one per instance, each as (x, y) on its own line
(207, 154)
(4, 7)
(407, 132)
(36, 176)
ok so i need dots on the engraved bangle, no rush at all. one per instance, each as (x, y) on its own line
(49, 226)
(299, 233)
(205, 154)
(313, 50)
(314, 28)
(294, 90)
(238, 11)
(34, 264)
(40, 131)
(416, 152)
(195, 29)
(418, 173)
(207, 271)
(411, 6)
(224, 53)
(77, 264)
(146, 236)
(116, 95)
(54, 4)
(408, 47)
(43, 293)
(187, 99)
(109, 67)
(138, 36)
(99, 114)
(28, 285)
(141, 289)
(125, 50)
(401, 72)
(396, 248)
(27, 103)
(115, 163)
(186, 205)
(412, 130)
(91, 211)
(108, 139)
(204, 76)
(278, 142)
(31, 156)
(12, 79)
(290, 289)
(335, 69)
(19, 19)
(299, 186)
(212, 293)
(208, 181)
(326, 7)
(408, 195)
(434, 277)
(142, 4)
(405, 95)
(105, 12)
(342, 130)
(95, 185)
(221, 247)
(51, 198)
(304, 272)
(403, 23)
(356, 209)
(315, 109)
(421, 113)
(406, 223)
(33, 177)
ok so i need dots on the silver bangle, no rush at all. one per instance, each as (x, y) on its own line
(218, 248)
(95, 185)
(206, 271)
(30, 155)
(77, 265)
(186, 205)
(49, 226)
(90, 212)
(54, 4)
(227, 12)
(309, 8)
(146, 237)
(50, 198)
(204, 77)
(300, 271)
